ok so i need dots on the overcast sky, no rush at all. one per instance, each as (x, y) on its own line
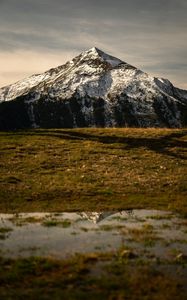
(36, 35)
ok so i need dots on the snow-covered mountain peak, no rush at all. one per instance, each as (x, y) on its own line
(95, 54)
(94, 89)
(85, 73)
(93, 50)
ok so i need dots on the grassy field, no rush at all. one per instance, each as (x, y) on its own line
(93, 169)
(111, 277)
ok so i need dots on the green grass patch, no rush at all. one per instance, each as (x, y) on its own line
(4, 232)
(146, 235)
(5, 229)
(62, 223)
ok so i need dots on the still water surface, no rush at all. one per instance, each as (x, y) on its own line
(149, 233)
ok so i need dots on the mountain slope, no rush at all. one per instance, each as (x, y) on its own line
(94, 89)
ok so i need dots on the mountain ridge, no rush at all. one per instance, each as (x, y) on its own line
(94, 89)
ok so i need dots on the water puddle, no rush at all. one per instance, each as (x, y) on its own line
(149, 234)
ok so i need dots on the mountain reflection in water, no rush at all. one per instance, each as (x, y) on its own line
(97, 217)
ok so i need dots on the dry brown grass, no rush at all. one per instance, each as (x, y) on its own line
(93, 169)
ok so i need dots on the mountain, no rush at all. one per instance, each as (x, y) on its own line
(92, 90)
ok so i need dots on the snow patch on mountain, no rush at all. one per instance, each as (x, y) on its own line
(21, 87)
